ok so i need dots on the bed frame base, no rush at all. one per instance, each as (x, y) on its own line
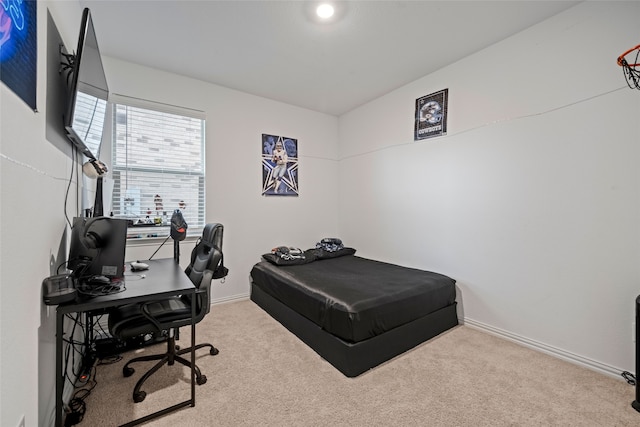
(352, 359)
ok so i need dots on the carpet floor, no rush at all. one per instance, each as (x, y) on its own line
(265, 376)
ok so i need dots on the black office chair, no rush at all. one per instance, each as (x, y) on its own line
(133, 320)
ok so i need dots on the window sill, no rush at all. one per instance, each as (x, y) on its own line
(148, 232)
(154, 233)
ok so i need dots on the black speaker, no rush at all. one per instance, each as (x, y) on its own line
(636, 403)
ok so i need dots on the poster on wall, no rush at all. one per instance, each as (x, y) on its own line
(18, 48)
(279, 166)
(431, 115)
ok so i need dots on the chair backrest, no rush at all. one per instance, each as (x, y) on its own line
(205, 257)
(207, 253)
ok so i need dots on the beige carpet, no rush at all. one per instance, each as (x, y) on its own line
(265, 376)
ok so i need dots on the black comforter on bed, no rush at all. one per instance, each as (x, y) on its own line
(355, 298)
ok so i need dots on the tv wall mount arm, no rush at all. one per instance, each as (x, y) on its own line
(67, 62)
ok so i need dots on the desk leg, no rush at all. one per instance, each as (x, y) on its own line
(59, 368)
(193, 353)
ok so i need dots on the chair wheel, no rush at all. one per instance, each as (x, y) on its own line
(201, 379)
(127, 372)
(139, 396)
(213, 351)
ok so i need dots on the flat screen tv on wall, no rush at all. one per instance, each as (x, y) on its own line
(87, 92)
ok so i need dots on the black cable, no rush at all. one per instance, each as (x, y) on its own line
(78, 347)
(82, 267)
(68, 67)
(71, 350)
(65, 263)
(66, 196)
(100, 290)
(77, 404)
(161, 244)
(96, 323)
(631, 72)
(110, 360)
(61, 264)
(78, 188)
(629, 377)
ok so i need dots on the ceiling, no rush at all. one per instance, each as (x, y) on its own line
(278, 50)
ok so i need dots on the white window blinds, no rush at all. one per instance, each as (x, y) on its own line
(88, 120)
(158, 164)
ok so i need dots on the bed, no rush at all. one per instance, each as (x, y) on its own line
(355, 312)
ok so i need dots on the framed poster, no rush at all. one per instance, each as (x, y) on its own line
(18, 48)
(431, 115)
(279, 166)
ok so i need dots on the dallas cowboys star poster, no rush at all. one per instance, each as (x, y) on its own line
(279, 165)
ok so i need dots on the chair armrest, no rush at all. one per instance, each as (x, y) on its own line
(201, 298)
(144, 309)
(203, 295)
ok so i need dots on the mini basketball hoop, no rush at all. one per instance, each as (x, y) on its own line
(631, 71)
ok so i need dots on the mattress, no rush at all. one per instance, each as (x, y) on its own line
(355, 298)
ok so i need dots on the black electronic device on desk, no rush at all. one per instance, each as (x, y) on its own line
(96, 256)
(98, 247)
(139, 266)
(98, 281)
(96, 286)
(59, 289)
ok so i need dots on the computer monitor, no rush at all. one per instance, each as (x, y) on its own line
(98, 247)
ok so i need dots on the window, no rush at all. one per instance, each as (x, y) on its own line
(158, 163)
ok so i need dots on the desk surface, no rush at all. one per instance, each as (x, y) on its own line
(163, 278)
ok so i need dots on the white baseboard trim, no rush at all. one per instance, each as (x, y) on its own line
(232, 298)
(576, 359)
(594, 365)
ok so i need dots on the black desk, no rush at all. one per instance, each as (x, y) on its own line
(164, 278)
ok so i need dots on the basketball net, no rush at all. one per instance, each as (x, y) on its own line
(631, 70)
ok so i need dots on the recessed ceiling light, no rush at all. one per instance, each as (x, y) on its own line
(325, 11)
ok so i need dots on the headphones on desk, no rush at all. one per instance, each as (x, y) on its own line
(96, 232)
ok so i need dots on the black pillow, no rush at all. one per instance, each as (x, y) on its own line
(322, 254)
(309, 256)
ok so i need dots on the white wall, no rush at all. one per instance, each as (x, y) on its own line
(235, 122)
(532, 200)
(34, 175)
(35, 166)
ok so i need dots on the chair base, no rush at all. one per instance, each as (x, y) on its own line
(172, 355)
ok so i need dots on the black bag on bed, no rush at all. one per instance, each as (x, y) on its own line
(283, 255)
